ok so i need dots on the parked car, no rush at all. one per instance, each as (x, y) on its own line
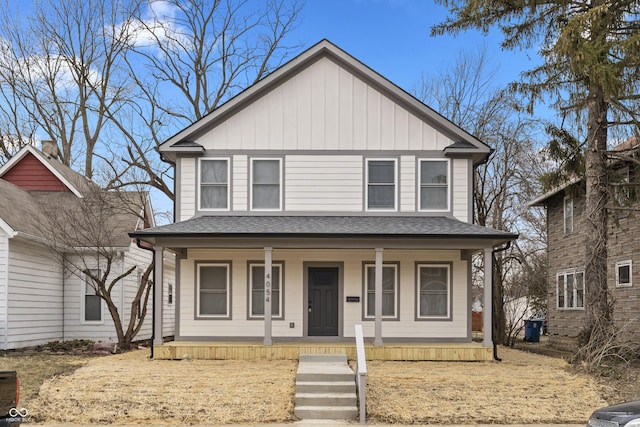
(623, 414)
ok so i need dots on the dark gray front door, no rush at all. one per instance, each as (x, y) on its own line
(323, 301)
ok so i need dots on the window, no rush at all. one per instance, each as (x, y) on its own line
(92, 302)
(213, 280)
(381, 184)
(624, 273)
(256, 290)
(170, 294)
(266, 191)
(214, 184)
(570, 290)
(568, 215)
(433, 291)
(389, 291)
(434, 185)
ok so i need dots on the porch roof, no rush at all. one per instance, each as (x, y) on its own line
(323, 227)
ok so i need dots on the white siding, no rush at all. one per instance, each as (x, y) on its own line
(408, 183)
(4, 283)
(461, 188)
(323, 183)
(188, 183)
(168, 309)
(240, 183)
(324, 107)
(295, 307)
(35, 296)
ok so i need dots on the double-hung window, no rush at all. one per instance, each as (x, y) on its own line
(434, 291)
(381, 184)
(389, 291)
(257, 289)
(624, 273)
(92, 303)
(568, 215)
(266, 184)
(213, 289)
(570, 290)
(214, 184)
(434, 185)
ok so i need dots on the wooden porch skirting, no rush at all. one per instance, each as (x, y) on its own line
(224, 350)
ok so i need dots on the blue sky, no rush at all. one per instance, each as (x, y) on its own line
(393, 38)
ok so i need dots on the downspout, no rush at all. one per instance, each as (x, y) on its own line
(493, 303)
(153, 295)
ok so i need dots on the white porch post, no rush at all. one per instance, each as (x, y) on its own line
(158, 268)
(267, 296)
(487, 312)
(378, 299)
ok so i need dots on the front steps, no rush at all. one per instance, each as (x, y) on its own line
(325, 388)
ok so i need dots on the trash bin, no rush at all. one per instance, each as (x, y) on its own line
(532, 330)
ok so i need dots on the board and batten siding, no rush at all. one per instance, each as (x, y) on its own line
(294, 305)
(324, 107)
(35, 296)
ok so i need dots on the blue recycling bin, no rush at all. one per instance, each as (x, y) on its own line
(532, 330)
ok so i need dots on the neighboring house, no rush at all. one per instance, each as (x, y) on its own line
(356, 197)
(566, 217)
(39, 300)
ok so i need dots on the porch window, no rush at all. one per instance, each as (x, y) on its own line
(256, 290)
(389, 291)
(434, 185)
(213, 281)
(570, 290)
(434, 291)
(624, 273)
(92, 303)
(266, 188)
(381, 184)
(214, 184)
(568, 215)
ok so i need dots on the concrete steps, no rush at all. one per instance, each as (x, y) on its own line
(325, 388)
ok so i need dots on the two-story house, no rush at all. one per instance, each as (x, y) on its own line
(566, 219)
(321, 197)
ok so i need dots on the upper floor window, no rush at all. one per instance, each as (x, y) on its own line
(568, 215)
(570, 289)
(434, 291)
(214, 184)
(624, 273)
(381, 184)
(389, 291)
(266, 184)
(434, 185)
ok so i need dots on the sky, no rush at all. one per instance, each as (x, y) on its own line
(393, 37)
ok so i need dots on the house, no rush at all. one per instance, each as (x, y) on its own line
(566, 219)
(40, 301)
(321, 197)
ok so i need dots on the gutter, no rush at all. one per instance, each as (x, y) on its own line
(153, 295)
(493, 305)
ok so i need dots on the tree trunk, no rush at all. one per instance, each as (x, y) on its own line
(499, 318)
(598, 312)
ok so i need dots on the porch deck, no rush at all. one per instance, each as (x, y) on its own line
(224, 350)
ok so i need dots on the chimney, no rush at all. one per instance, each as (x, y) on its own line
(50, 148)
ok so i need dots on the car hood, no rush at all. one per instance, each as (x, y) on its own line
(621, 413)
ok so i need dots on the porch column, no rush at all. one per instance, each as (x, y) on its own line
(377, 341)
(158, 281)
(487, 312)
(267, 296)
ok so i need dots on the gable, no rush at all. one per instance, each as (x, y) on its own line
(31, 175)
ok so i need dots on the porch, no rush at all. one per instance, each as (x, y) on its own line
(227, 350)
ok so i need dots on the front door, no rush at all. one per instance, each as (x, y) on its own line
(323, 301)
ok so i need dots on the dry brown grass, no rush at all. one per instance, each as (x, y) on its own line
(131, 389)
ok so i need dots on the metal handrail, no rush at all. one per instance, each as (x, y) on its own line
(361, 373)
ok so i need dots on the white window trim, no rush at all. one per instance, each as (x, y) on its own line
(575, 289)
(449, 289)
(280, 184)
(227, 265)
(564, 215)
(395, 184)
(199, 173)
(449, 177)
(396, 269)
(279, 315)
(624, 263)
(83, 306)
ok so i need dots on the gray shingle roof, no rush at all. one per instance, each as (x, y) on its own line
(324, 226)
